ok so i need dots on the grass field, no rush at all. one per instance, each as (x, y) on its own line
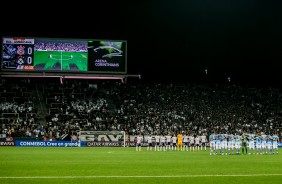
(124, 165)
(66, 61)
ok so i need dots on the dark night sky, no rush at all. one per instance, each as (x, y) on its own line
(240, 39)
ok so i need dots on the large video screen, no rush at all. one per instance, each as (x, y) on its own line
(63, 55)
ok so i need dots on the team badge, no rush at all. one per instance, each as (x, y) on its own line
(20, 50)
(20, 61)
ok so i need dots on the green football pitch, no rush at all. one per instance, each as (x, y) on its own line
(57, 60)
(28, 165)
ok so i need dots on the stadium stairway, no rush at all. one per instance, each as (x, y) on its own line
(111, 106)
(39, 104)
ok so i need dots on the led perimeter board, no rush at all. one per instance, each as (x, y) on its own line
(63, 55)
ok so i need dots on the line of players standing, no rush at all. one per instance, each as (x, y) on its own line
(179, 142)
(226, 144)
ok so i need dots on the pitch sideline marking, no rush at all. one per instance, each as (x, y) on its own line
(177, 176)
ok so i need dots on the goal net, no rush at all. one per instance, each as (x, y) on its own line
(102, 138)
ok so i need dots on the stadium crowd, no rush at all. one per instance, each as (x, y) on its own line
(136, 107)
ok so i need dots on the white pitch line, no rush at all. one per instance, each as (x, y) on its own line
(176, 176)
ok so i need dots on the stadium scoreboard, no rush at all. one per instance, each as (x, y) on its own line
(63, 55)
(18, 53)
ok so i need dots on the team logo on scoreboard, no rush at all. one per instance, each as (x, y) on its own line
(20, 60)
(20, 50)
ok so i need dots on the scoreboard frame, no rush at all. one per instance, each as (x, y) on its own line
(105, 63)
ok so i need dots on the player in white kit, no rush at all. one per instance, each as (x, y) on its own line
(185, 142)
(162, 143)
(150, 143)
(197, 142)
(203, 139)
(174, 140)
(168, 142)
(192, 142)
(157, 144)
(139, 141)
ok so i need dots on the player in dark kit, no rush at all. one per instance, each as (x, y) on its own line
(245, 140)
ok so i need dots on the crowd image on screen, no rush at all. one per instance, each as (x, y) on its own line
(61, 46)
